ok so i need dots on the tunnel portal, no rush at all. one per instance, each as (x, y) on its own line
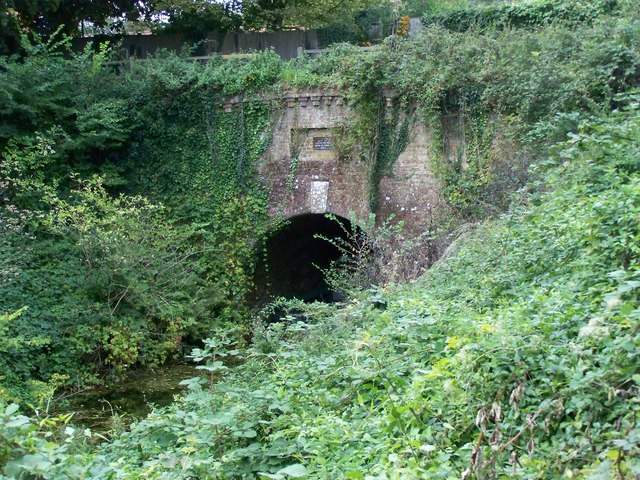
(291, 261)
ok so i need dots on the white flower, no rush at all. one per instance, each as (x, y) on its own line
(594, 329)
(613, 303)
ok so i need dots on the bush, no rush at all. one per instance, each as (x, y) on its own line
(113, 280)
(531, 14)
(382, 254)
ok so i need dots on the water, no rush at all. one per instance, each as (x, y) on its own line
(130, 399)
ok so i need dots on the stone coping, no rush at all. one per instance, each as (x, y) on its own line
(311, 98)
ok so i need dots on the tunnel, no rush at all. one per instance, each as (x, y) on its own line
(291, 260)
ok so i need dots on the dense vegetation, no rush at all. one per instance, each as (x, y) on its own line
(521, 15)
(515, 356)
(125, 277)
(129, 212)
(195, 18)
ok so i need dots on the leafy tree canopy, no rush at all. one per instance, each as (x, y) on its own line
(44, 17)
(259, 14)
(18, 17)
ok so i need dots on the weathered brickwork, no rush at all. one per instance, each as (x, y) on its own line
(317, 181)
(411, 193)
(304, 175)
(301, 168)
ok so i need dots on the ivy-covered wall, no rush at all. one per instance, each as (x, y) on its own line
(132, 197)
(139, 193)
(409, 169)
(200, 161)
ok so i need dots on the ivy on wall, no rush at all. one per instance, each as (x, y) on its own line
(155, 238)
(157, 131)
(391, 140)
(201, 162)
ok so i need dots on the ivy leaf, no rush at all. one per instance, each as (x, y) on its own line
(11, 409)
(296, 470)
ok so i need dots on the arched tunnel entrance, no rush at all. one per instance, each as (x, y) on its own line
(291, 261)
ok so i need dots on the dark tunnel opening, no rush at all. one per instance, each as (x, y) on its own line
(291, 261)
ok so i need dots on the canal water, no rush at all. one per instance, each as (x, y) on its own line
(130, 399)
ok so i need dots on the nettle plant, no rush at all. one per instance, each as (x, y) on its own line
(380, 253)
(212, 355)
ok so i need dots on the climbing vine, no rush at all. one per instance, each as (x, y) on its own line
(392, 139)
(200, 160)
(298, 137)
(154, 232)
(463, 162)
(157, 129)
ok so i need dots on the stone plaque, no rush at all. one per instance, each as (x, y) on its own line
(322, 143)
(313, 145)
(318, 197)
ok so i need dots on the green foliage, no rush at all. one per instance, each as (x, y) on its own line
(201, 17)
(506, 80)
(198, 19)
(358, 266)
(139, 269)
(45, 274)
(280, 14)
(44, 91)
(372, 253)
(44, 447)
(112, 284)
(128, 278)
(380, 253)
(157, 130)
(369, 25)
(392, 139)
(12, 346)
(477, 173)
(524, 77)
(527, 14)
(211, 189)
(45, 18)
(417, 8)
(517, 356)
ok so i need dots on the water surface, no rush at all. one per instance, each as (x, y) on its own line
(129, 399)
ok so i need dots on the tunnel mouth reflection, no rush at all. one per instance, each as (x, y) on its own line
(291, 261)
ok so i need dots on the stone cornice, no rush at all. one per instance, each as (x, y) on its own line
(301, 98)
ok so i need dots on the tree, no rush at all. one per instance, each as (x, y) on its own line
(260, 14)
(44, 17)
(276, 14)
(199, 16)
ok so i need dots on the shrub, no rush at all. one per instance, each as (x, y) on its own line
(531, 14)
